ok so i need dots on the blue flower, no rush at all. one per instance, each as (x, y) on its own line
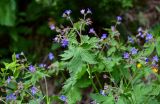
(82, 11)
(126, 55)
(155, 59)
(119, 18)
(42, 65)
(92, 31)
(50, 56)
(32, 68)
(11, 97)
(133, 51)
(68, 12)
(147, 60)
(130, 39)
(52, 26)
(89, 11)
(149, 36)
(64, 42)
(63, 98)
(8, 79)
(17, 56)
(104, 36)
(33, 90)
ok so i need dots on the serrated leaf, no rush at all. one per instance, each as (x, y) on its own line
(88, 57)
(149, 49)
(111, 50)
(90, 42)
(68, 53)
(75, 63)
(73, 95)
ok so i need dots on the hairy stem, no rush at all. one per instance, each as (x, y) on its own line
(90, 76)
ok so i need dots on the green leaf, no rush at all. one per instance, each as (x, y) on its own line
(87, 56)
(149, 48)
(73, 95)
(7, 12)
(127, 3)
(88, 43)
(75, 63)
(78, 25)
(158, 46)
(103, 99)
(68, 53)
(111, 50)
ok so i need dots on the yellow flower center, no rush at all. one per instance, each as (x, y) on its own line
(139, 65)
(155, 70)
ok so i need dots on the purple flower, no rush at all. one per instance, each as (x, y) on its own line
(63, 97)
(133, 51)
(126, 55)
(42, 65)
(104, 36)
(130, 39)
(155, 59)
(89, 11)
(17, 56)
(32, 68)
(82, 11)
(149, 36)
(11, 97)
(8, 79)
(52, 26)
(50, 56)
(92, 31)
(119, 18)
(64, 42)
(141, 34)
(68, 12)
(33, 90)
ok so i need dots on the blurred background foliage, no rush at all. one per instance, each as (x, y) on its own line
(24, 23)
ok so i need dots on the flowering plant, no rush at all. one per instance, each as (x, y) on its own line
(103, 69)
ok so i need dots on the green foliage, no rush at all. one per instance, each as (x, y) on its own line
(106, 70)
(7, 12)
(103, 99)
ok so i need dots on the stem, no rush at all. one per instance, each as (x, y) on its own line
(3, 101)
(90, 76)
(41, 88)
(63, 76)
(46, 90)
(73, 26)
(98, 81)
(131, 79)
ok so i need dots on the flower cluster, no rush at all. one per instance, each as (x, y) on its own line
(85, 12)
(133, 51)
(12, 96)
(144, 34)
